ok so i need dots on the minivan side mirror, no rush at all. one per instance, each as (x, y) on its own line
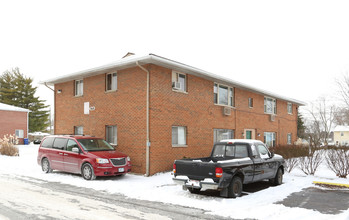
(75, 150)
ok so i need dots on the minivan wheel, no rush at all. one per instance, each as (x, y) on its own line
(87, 172)
(235, 187)
(45, 165)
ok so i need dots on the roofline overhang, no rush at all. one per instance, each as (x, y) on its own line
(167, 63)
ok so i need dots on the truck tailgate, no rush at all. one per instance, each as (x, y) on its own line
(195, 169)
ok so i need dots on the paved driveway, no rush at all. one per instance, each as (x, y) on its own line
(319, 199)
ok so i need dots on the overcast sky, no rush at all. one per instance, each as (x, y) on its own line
(294, 48)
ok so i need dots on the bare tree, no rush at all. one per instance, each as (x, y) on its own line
(322, 120)
(343, 85)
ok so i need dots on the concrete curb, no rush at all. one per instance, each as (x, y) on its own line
(341, 185)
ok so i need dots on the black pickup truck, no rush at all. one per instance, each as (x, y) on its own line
(232, 163)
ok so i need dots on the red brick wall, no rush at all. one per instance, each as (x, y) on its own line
(195, 109)
(12, 120)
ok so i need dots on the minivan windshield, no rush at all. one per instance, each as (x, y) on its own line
(94, 144)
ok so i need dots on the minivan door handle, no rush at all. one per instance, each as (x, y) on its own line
(60, 153)
(66, 154)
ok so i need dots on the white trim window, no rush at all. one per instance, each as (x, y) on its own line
(19, 133)
(179, 136)
(250, 102)
(223, 95)
(289, 107)
(269, 105)
(179, 81)
(78, 130)
(111, 82)
(289, 138)
(270, 139)
(79, 87)
(111, 134)
(221, 134)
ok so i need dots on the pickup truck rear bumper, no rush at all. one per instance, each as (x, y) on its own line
(202, 185)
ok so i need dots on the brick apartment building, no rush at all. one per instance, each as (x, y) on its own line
(13, 121)
(157, 110)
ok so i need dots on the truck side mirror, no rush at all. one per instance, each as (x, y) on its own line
(271, 154)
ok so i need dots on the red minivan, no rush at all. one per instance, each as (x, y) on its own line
(85, 155)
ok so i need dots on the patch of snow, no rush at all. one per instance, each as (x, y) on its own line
(235, 160)
(161, 188)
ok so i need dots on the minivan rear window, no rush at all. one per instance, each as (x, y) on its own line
(47, 143)
(60, 143)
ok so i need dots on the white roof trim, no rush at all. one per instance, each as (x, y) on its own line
(167, 63)
(5, 107)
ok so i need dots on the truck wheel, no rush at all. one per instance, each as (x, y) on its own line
(194, 190)
(87, 172)
(235, 187)
(278, 178)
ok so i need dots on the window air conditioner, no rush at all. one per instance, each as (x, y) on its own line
(176, 85)
(272, 117)
(226, 111)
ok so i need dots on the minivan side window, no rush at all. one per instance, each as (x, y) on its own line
(71, 144)
(60, 143)
(47, 143)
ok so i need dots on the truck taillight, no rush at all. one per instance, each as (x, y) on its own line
(174, 168)
(219, 172)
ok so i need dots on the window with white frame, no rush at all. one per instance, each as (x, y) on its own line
(289, 108)
(79, 87)
(19, 133)
(250, 102)
(269, 139)
(179, 81)
(269, 105)
(179, 136)
(289, 138)
(111, 134)
(221, 134)
(78, 130)
(223, 95)
(111, 82)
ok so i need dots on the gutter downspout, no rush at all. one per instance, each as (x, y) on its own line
(48, 86)
(147, 159)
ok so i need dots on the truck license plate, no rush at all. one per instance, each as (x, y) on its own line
(121, 170)
(194, 183)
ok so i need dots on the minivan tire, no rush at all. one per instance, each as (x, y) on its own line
(87, 172)
(45, 165)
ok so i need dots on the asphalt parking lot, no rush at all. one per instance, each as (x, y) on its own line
(326, 201)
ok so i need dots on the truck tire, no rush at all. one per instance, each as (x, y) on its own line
(235, 187)
(277, 180)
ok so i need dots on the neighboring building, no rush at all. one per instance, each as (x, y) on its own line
(341, 135)
(14, 121)
(157, 110)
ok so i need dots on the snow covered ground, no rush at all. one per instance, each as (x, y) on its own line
(160, 187)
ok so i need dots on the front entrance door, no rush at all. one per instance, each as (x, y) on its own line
(249, 134)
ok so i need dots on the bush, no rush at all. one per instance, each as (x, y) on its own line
(7, 146)
(309, 164)
(338, 161)
(291, 154)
